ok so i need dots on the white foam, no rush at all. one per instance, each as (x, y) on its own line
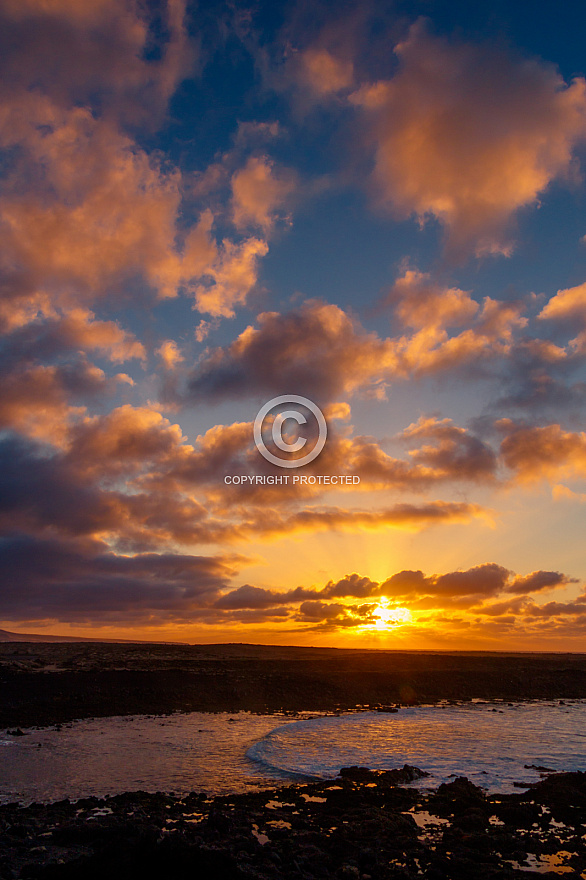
(490, 748)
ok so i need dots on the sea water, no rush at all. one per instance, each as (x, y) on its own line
(494, 744)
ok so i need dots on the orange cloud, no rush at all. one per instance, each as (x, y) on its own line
(569, 306)
(170, 354)
(538, 581)
(563, 493)
(79, 52)
(42, 329)
(17, 313)
(470, 135)
(411, 517)
(433, 350)
(36, 399)
(123, 441)
(569, 303)
(453, 454)
(323, 73)
(470, 591)
(319, 350)
(87, 209)
(45, 370)
(229, 277)
(79, 329)
(549, 452)
(420, 302)
(129, 477)
(259, 191)
(92, 491)
(86, 212)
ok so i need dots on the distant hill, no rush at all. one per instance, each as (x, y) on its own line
(6, 636)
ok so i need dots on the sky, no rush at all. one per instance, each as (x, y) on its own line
(379, 207)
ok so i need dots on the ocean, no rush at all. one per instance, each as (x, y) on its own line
(496, 745)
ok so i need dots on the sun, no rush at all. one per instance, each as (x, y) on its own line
(386, 618)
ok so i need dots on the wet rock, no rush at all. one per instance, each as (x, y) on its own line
(472, 820)
(367, 829)
(561, 789)
(405, 774)
(460, 788)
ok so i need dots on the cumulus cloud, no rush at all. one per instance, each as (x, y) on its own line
(566, 304)
(316, 348)
(543, 452)
(454, 452)
(75, 329)
(538, 581)
(524, 609)
(229, 277)
(86, 212)
(353, 584)
(331, 616)
(41, 400)
(41, 493)
(248, 596)
(421, 302)
(170, 354)
(123, 440)
(481, 581)
(91, 486)
(130, 477)
(440, 452)
(49, 495)
(323, 73)
(48, 380)
(319, 350)
(85, 209)
(569, 307)
(470, 134)
(259, 192)
(449, 454)
(103, 51)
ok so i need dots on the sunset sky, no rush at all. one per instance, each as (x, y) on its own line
(378, 206)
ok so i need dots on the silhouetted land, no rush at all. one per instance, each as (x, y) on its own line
(48, 683)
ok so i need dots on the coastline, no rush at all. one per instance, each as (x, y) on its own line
(364, 824)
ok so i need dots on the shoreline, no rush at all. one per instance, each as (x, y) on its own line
(364, 824)
(248, 770)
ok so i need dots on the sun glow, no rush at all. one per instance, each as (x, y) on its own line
(386, 618)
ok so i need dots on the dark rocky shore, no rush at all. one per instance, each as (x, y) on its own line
(44, 684)
(364, 825)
